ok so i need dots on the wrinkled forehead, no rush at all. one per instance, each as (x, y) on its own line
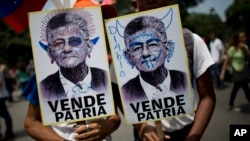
(144, 35)
(64, 31)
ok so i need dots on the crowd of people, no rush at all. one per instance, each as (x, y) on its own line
(237, 57)
(231, 64)
(207, 61)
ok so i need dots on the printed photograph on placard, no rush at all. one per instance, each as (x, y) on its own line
(151, 64)
(71, 64)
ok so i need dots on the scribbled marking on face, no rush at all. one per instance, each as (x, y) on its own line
(69, 30)
(75, 41)
(141, 37)
(149, 61)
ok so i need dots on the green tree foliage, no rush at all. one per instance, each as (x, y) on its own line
(185, 4)
(125, 6)
(203, 24)
(209, 23)
(14, 46)
(238, 16)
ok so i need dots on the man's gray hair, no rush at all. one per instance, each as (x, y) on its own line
(144, 22)
(67, 18)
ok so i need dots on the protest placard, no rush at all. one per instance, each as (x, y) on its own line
(71, 64)
(151, 64)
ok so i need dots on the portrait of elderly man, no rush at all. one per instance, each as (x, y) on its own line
(147, 48)
(69, 47)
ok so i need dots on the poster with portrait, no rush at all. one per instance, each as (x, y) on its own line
(71, 64)
(151, 64)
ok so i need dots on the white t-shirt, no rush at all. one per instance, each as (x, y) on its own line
(67, 131)
(216, 46)
(201, 62)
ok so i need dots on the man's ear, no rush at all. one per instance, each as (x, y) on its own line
(166, 45)
(128, 57)
(90, 46)
(49, 52)
(51, 55)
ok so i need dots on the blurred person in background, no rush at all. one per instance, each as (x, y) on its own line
(217, 51)
(4, 113)
(236, 57)
(9, 79)
(22, 74)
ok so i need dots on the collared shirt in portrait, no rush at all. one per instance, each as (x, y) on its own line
(161, 91)
(74, 90)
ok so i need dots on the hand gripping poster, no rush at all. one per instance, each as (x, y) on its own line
(151, 64)
(71, 64)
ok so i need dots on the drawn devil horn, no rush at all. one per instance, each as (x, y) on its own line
(120, 28)
(166, 19)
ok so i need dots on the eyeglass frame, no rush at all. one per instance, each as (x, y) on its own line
(63, 42)
(145, 44)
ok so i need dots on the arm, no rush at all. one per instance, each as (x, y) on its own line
(34, 127)
(221, 57)
(224, 67)
(205, 108)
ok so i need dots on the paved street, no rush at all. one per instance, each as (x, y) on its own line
(218, 129)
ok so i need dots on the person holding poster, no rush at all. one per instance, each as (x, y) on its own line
(69, 46)
(96, 130)
(192, 126)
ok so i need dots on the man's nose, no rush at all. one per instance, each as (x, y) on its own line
(67, 48)
(145, 51)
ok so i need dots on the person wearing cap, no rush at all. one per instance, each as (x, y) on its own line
(65, 44)
(191, 126)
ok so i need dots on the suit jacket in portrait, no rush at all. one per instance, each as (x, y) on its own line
(52, 89)
(132, 91)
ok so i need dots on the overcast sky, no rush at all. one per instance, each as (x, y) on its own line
(219, 5)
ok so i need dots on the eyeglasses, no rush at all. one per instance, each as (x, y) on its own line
(59, 44)
(152, 45)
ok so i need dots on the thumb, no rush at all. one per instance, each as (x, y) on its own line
(167, 137)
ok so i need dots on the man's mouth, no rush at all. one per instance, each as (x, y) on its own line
(69, 57)
(149, 60)
(146, 61)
